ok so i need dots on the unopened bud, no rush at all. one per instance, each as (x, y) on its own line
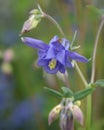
(54, 113)
(77, 114)
(32, 22)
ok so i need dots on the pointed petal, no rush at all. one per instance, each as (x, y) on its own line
(62, 69)
(57, 46)
(68, 62)
(54, 39)
(53, 71)
(34, 43)
(42, 62)
(42, 53)
(76, 56)
(61, 57)
(50, 53)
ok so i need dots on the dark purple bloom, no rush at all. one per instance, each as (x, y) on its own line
(55, 56)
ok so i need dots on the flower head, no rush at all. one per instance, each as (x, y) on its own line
(55, 56)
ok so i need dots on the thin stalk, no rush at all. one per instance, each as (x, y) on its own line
(89, 98)
(54, 22)
(80, 74)
(95, 50)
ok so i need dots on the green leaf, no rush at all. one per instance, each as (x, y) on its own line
(67, 92)
(99, 83)
(53, 92)
(83, 93)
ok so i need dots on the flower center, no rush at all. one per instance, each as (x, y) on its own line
(52, 64)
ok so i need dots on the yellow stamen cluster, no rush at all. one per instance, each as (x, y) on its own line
(52, 64)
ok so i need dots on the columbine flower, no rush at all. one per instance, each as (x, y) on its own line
(55, 56)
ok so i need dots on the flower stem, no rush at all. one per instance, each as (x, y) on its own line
(89, 98)
(52, 20)
(95, 50)
(55, 23)
(80, 74)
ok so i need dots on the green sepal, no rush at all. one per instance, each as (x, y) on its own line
(53, 92)
(99, 83)
(67, 92)
(83, 93)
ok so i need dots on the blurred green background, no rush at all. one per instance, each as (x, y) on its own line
(23, 103)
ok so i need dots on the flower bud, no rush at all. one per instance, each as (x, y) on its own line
(54, 113)
(32, 22)
(77, 114)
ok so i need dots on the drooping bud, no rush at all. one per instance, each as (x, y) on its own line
(32, 21)
(54, 113)
(77, 114)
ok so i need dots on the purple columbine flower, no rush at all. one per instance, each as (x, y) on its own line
(55, 56)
